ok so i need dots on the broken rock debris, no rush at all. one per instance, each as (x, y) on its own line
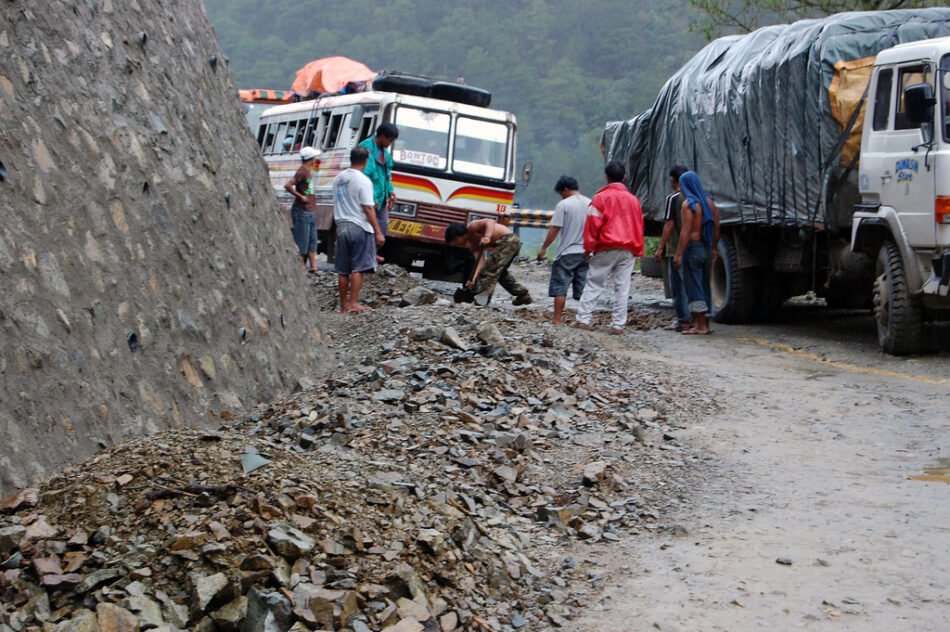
(426, 484)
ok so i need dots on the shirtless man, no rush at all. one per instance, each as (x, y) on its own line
(480, 236)
(696, 250)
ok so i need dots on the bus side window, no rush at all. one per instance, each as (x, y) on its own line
(261, 134)
(311, 132)
(279, 134)
(298, 138)
(287, 142)
(269, 140)
(324, 128)
(336, 122)
(366, 128)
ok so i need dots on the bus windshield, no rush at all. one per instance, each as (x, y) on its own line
(481, 147)
(423, 138)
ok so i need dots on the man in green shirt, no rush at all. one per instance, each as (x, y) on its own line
(379, 169)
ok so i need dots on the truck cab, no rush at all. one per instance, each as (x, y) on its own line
(903, 219)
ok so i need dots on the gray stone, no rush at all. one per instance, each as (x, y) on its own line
(418, 295)
(230, 616)
(206, 588)
(267, 612)
(591, 532)
(83, 621)
(506, 473)
(112, 618)
(451, 338)
(99, 578)
(9, 538)
(149, 612)
(426, 332)
(594, 472)
(289, 542)
(489, 333)
(389, 395)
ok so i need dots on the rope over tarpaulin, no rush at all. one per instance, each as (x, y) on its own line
(753, 116)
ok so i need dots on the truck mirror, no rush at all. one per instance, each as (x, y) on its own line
(356, 117)
(919, 103)
(526, 172)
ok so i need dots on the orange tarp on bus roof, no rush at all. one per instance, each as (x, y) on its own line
(329, 74)
(265, 96)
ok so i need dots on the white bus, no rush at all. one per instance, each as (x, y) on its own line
(453, 161)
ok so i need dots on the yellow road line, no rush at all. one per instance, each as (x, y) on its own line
(842, 365)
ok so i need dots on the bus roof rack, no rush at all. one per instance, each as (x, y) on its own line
(416, 85)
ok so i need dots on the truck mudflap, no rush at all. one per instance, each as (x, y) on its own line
(939, 282)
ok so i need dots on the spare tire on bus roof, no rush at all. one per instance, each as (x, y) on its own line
(425, 87)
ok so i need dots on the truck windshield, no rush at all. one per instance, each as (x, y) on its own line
(423, 138)
(481, 147)
(944, 103)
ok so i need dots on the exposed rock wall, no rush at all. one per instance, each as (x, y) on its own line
(138, 234)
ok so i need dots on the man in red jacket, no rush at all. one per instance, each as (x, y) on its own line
(613, 238)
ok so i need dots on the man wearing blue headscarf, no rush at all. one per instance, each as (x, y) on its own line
(697, 247)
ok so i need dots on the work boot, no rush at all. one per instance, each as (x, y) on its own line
(524, 299)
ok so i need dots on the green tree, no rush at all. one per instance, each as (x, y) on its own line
(563, 67)
(742, 16)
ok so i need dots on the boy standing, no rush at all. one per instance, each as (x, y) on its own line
(570, 264)
(358, 233)
(672, 227)
(303, 212)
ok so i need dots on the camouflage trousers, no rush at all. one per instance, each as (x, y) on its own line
(496, 268)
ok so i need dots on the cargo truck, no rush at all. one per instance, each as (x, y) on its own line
(826, 144)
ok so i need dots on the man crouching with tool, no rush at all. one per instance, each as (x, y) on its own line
(482, 235)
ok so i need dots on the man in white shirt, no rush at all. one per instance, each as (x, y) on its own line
(357, 230)
(570, 263)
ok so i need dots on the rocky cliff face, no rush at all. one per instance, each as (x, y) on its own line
(147, 279)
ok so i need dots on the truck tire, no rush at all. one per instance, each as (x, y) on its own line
(897, 312)
(733, 288)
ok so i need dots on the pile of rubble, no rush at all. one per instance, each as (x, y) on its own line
(426, 485)
(389, 285)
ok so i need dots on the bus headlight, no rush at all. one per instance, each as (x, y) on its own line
(406, 209)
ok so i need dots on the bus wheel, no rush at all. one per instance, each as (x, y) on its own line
(897, 312)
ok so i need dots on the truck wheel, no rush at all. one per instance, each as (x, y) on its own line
(898, 313)
(732, 287)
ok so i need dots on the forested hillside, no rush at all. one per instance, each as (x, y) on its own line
(562, 67)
